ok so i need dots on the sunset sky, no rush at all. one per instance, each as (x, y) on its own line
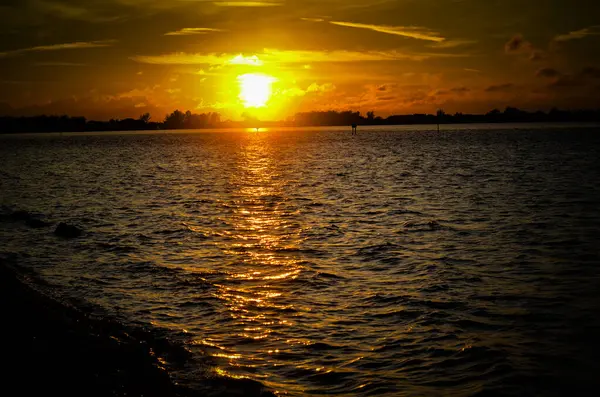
(120, 58)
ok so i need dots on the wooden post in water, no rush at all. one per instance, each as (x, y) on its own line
(440, 114)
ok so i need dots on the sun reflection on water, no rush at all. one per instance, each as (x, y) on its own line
(259, 255)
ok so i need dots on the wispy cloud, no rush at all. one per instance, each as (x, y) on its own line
(454, 91)
(61, 64)
(313, 19)
(413, 32)
(579, 34)
(59, 47)
(247, 3)
(270, 56)
(586, 77)
(452, 43)
(193, 31)
(548, 73)
(500, 88)
(71, 11)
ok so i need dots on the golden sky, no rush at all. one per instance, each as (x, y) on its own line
(121, 58)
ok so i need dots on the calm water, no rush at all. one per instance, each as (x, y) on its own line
(396, 262)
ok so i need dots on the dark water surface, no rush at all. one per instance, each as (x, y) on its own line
(396, 262)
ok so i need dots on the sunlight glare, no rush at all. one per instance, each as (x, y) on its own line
(255, 89)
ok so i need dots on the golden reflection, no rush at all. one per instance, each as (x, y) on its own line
(222, 372)
(254, 293)
(207, 342)
(257, 129)
(229, 356)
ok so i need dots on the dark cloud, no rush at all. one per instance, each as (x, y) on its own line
(517, 44)
(591, 72)
(386, 87)
(584, 78)
(548, 73)
(460, 90)
(500, 88)
(566, 81)
(455, 90)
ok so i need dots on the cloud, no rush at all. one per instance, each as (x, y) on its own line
(313, 19)
(321, 89)
(385, 87)
(203, 72)
(74, 12)
(548, 73)
(591, 72)
(304, 57)
(413, 32)
(314, 89)
(138, 93)
(585, 77)
(500, 88)
(452, 43)
(61, 64)
(247, 3)
(460, 90)
(517, 44)
(566, 80)
(99, 107)
(192, 31)
(58, 47)
(579, 34)
(286, 57)
(240, 59)
(455, 90)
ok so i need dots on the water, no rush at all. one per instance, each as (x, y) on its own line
(396, 262)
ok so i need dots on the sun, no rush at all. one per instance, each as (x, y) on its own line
(255, 89)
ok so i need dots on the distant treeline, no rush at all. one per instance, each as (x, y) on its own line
(173, 121)
(188, 120)
(509, 115)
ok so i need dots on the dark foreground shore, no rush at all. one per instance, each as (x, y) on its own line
(49, 348)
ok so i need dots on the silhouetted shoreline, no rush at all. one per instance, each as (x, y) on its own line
(54, 349)
(188, 120)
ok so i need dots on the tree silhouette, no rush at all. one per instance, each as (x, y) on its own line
(145, 118)
(175, 120)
